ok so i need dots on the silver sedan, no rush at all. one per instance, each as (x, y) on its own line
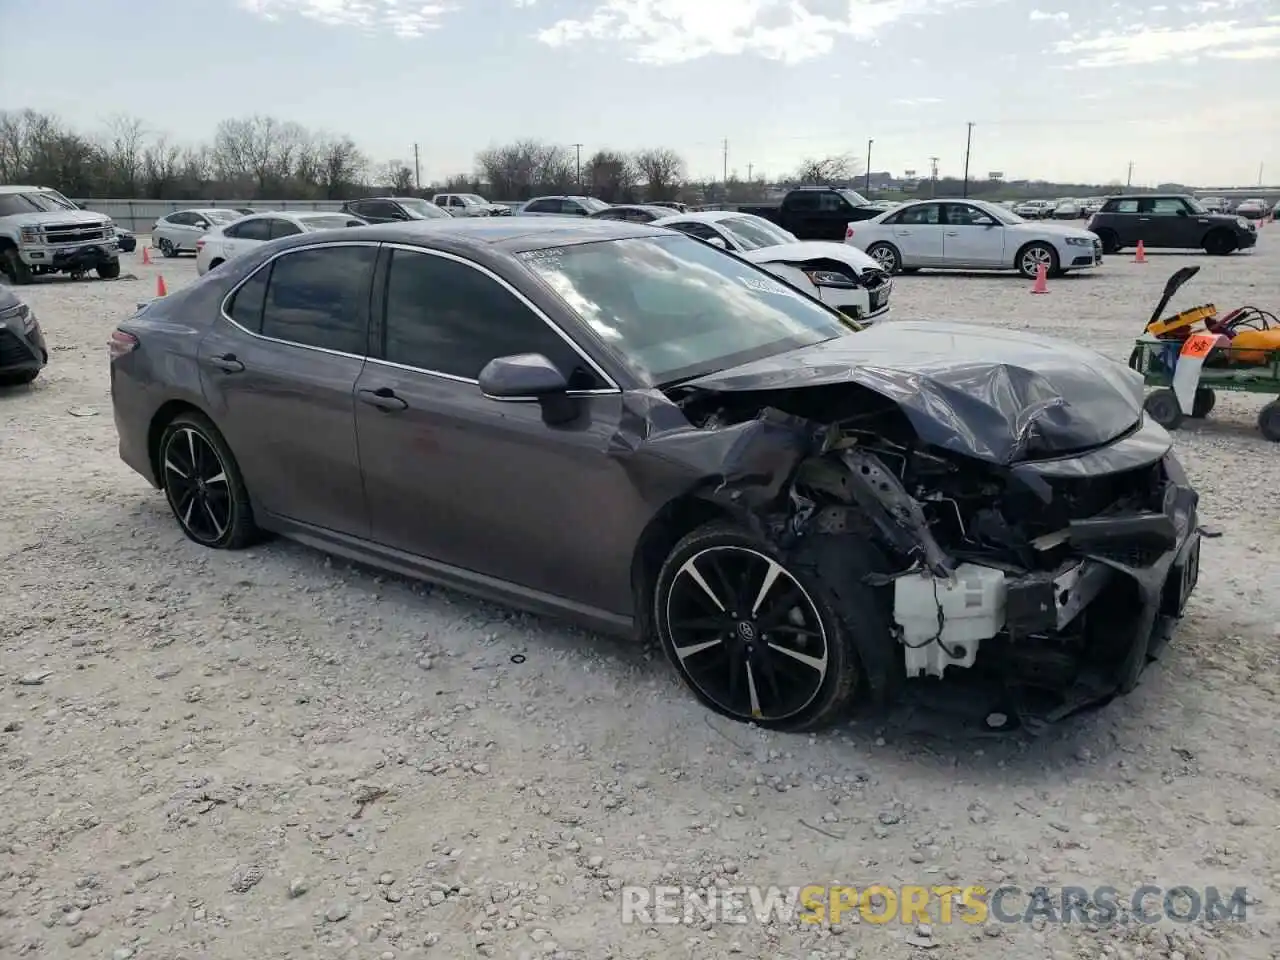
(178, 232)
(223, 243)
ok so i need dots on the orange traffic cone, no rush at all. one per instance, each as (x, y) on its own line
(161, 289)
(146, 257)
(1042, 280)
(1141, 255)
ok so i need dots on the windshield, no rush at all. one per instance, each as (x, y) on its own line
(472, 198)
(46, 201)
(424, 210)
(672, 308)
(223, 216)
(854, 197)
(1002, 214)
(592, 205)
(332, 222)
(752, 233)
(1195, 206)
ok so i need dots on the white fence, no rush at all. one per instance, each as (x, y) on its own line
(140, 215)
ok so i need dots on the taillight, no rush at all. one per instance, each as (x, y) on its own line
(121, 343)
(848, 233)
(199, 245)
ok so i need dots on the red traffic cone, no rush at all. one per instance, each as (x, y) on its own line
(1042, 280)
(161, 289)
(146, 257)
(1140, 256)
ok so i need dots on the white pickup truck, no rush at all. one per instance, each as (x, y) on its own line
(41, 231)
(469, 205)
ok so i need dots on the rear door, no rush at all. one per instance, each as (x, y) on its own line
(1124, 218)
(279, 370)
(242, 236)
(917, 233)
(971, 237)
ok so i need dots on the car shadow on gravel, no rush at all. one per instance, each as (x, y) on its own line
(1005, 276)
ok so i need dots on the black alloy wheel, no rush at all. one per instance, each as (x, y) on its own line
(745, 634)
(203, 484)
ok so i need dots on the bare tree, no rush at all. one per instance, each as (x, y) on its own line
(342, 166)
(611, 176)
(662, 171)
(834, 169)
(517, 171)
(397, 176)
(123, 146)
(161, 168)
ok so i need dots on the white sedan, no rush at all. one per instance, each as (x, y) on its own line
(233, 239)
(178, 232)
(972, 235)
(843, 278)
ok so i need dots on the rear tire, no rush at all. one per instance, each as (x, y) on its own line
(711, 651)
(203, 484)
(1110, 241)
(1204, 403)
(1162, 407)
(887, 255)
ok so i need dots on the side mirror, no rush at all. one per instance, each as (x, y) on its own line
(984, 222)
(526, 376)
(202, 224)
(520, 377)
(718, 242)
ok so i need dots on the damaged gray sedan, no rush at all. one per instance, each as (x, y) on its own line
(644, 433)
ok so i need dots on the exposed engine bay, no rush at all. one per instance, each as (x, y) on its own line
(1052, 578)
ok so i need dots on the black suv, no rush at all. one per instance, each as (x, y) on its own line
(22, 349)
(1170, 220)
(394, 209)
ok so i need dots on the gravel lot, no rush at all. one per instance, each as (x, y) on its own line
(271, 754)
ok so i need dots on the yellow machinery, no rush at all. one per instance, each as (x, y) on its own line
(1191, 354)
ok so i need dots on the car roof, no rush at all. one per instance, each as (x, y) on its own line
(510, 235)
(18, 188)
(707, 216)
(563, 196)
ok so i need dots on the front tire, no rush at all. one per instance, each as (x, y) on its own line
(1219, 243)
(166, 247)
(1033, 255)
(1110, 242)
(887, 255)
(203, 484)
(789, 659)
(18, 379)
(18, 271)
(109, 270)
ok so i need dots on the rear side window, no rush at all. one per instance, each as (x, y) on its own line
(249, 230)
(320, 298)
(926, 214)
(447, 317)
(283, 228)
(246, 303)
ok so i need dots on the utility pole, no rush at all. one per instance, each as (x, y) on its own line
(933, 177)
(578, 153)
(417, 168)
(1260, 174)
(968, 143)
(726, 160)
(752, 166)
(1129, 181)
(868, 186)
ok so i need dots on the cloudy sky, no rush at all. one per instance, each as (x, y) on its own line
(1059, 89)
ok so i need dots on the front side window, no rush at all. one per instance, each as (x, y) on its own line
(283, 228)
(671, 308)
(257, 229)
(319, 298)
(443, 316)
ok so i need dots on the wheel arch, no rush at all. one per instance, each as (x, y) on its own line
(665, 529)
(165, 415)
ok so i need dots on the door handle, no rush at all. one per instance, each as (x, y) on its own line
(384, 398)
(226, 362)
(953, 233)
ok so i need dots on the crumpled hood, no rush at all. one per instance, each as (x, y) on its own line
(805, 250)
(997, 395)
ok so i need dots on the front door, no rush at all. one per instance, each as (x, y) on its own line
(917, 233)
(481, 484)
(972, 237)
(279, 377)
(1169, 223)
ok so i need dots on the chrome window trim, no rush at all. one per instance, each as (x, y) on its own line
(222, 309)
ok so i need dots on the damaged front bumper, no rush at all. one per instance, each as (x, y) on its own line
(1087, 624)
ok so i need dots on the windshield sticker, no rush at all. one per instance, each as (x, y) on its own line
(761, 285)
